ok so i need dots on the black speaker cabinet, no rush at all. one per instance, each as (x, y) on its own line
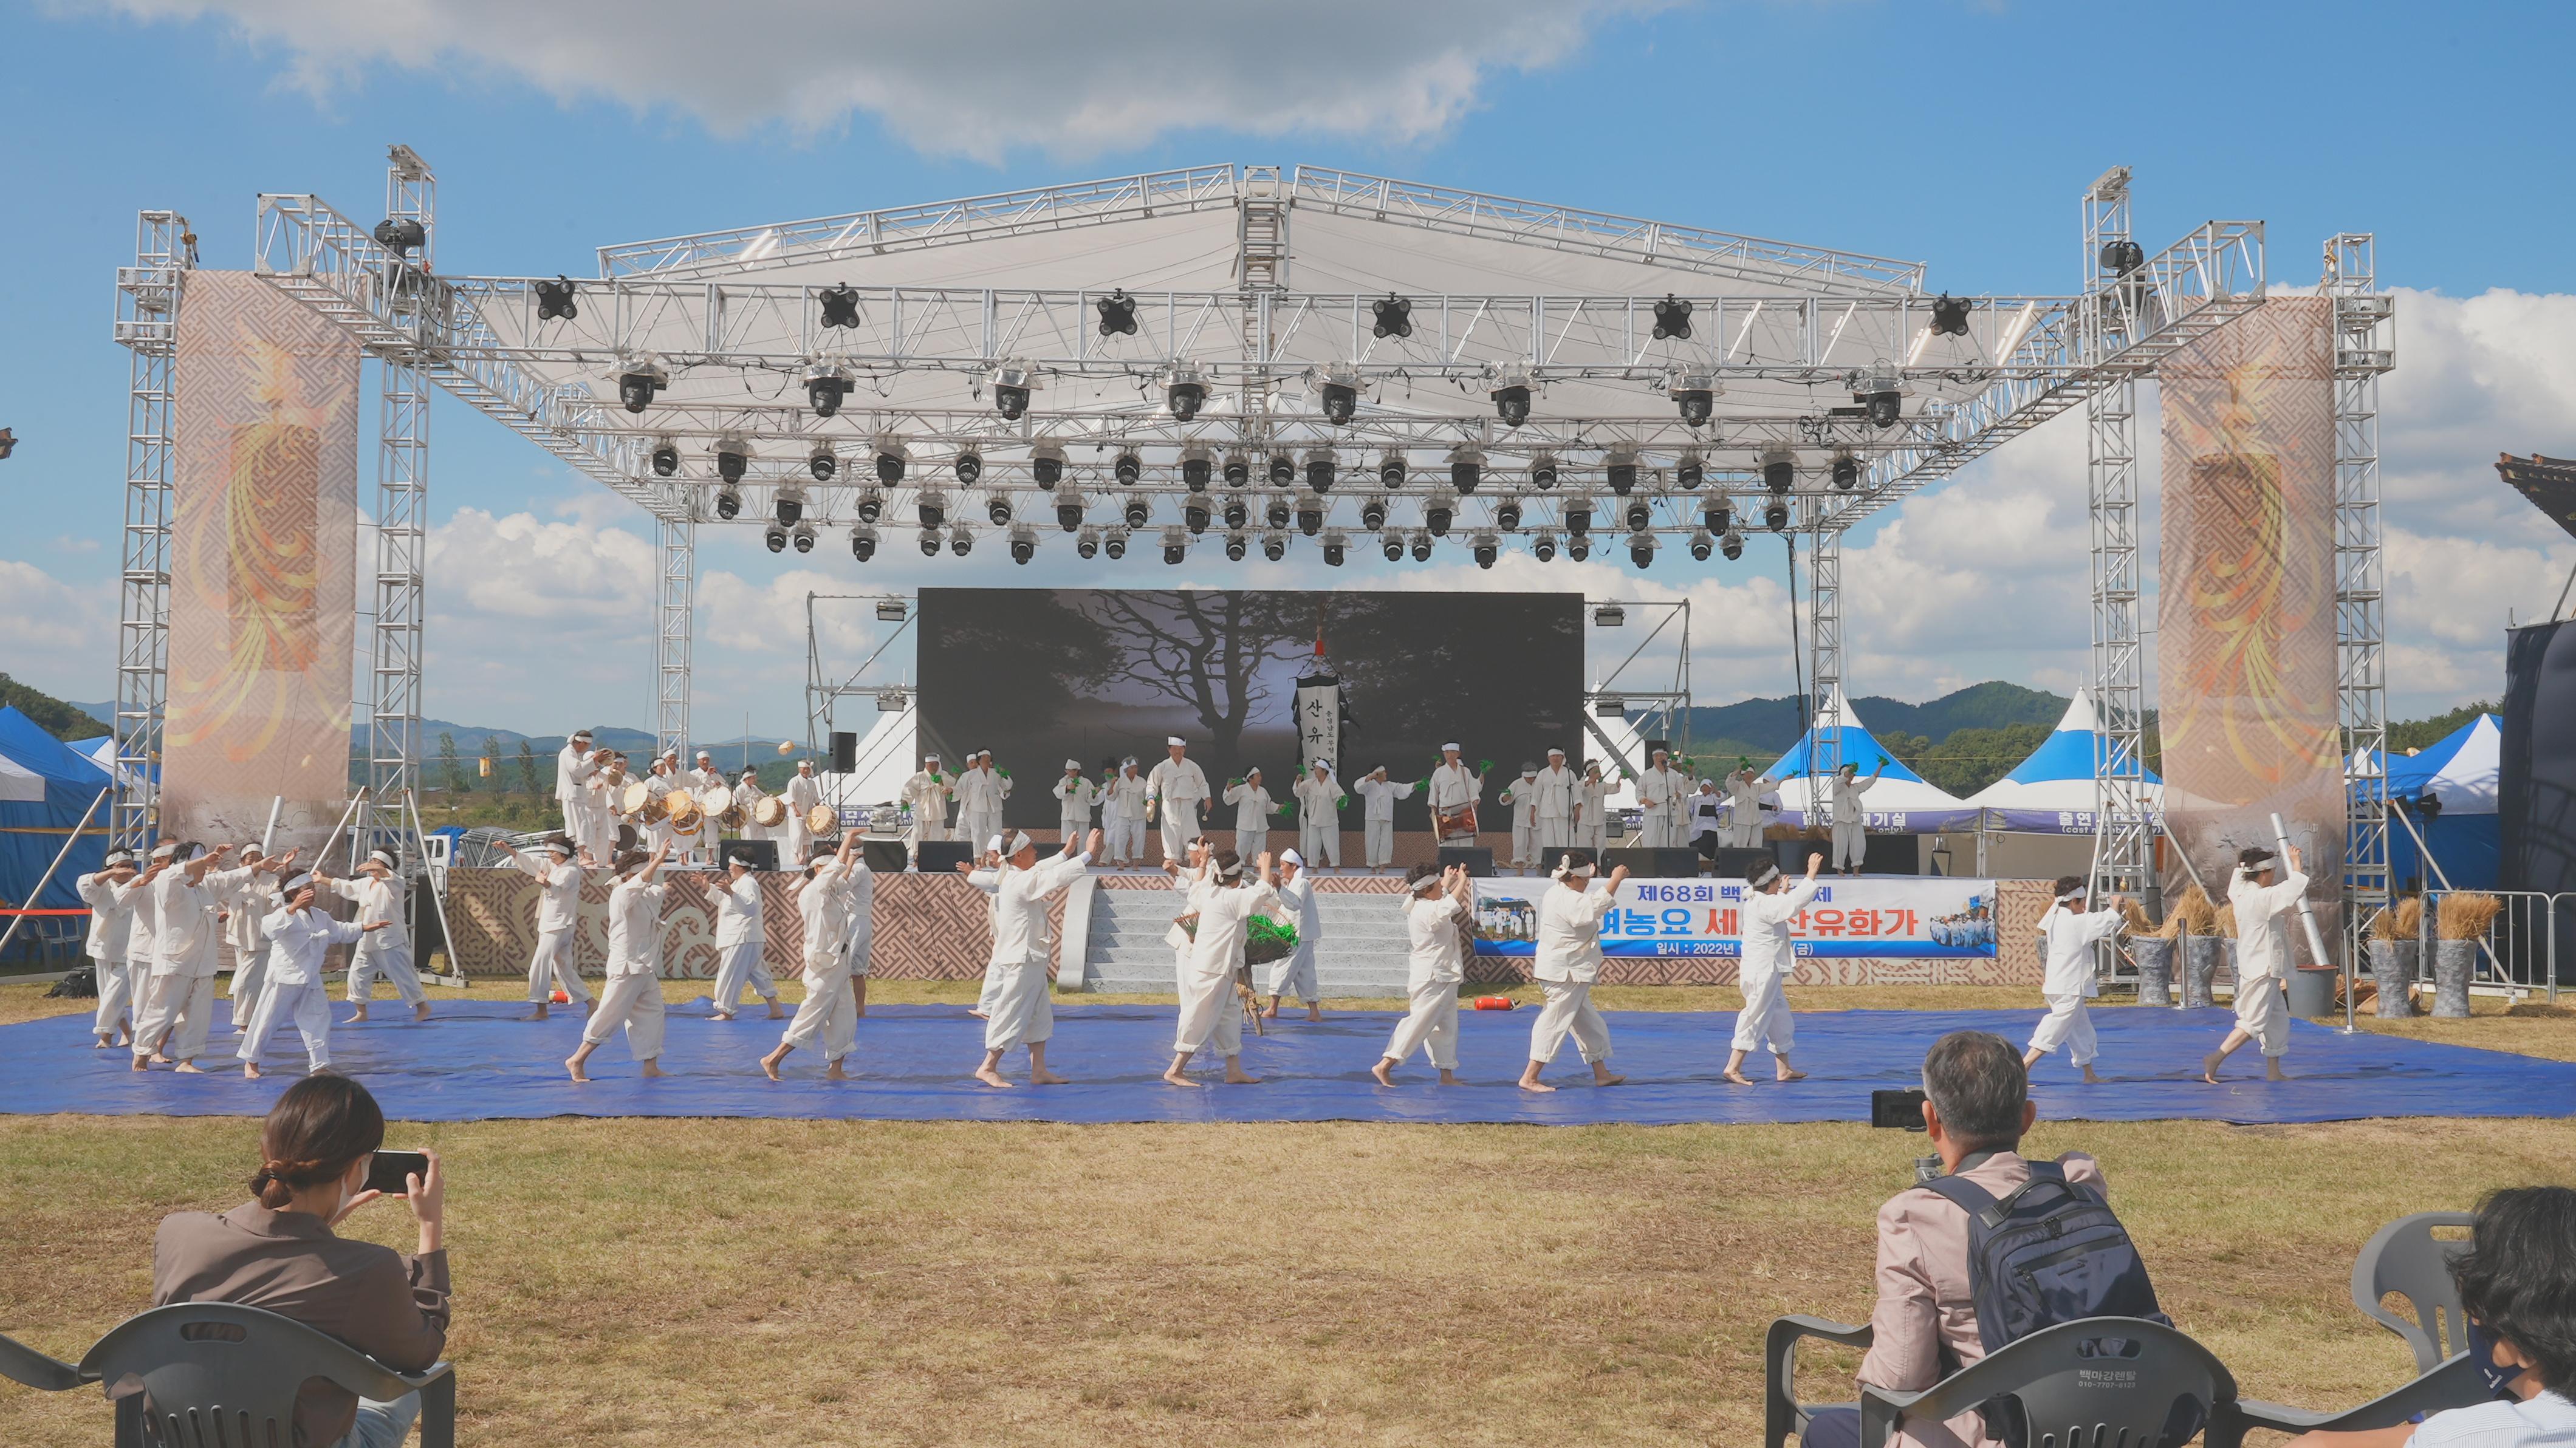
(886, 857)
(1880, 854)
(1479, 861)
(1547, 858)
(940, 857)
(1730, 863)
(1658, 864)
(763, 854)
(845, 752)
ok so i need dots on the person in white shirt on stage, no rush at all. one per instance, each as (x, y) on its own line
(1075, 797)
(1744, 822)
(2067, 934)
(1660, 792)
(599, 811)
(386, 952)
(706, 776)
(1378, 795)
(1296, 973)
(1704, 817)
(836, 901)
(252, 900)
(1560, 794)
(980, 791)
(633, 996)
(111, 931)
(1454, 792)
(298, 934)
(1179, 789)
(739, 941)
(655, 825)
(1764, 957)
(1319, 816)
(1851, 839)
(575, 765)
(1436, 912)
(1253, 807)
(2263, 905)
(1023, 1012)
(1592, 811)
(1123, 810)
(552, 966)
(1522, 795)
(1567, 965)
(747, 795)
(803, 792)
(927, 793)
(1210, 1013)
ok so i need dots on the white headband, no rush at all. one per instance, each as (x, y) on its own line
(1291, 857)
(1019, 842)
(1174, 741)
(1449, 748)
(379, 857)
(299, 882)
(119, 857)
(1230, 872)
(1570, 865)
(1764, 874)
(1073, 764)
(558, 847)
(1324, 765)
(2077, 893)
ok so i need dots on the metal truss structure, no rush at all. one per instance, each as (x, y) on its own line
(2123, 828)
(2364, 347)
(148, 296)
(402, 512)
(1626, 693)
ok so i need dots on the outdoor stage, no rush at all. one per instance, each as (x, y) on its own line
(475, 1061)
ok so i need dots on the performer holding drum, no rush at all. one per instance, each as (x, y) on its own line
(1455, 790)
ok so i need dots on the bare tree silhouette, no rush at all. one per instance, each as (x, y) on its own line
(1203, 651)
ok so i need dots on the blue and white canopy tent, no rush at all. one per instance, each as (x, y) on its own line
(2051, 792)
(2448, 793)
(1901, 801)
(45, 786)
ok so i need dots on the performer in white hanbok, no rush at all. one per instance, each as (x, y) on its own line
(1764, 958)
(2263, 905)
(1023, 1011)
(385, 952)
(739, 941)
(1704, 819)
(179, 1007)
(1592, 812)
(1560, 794)
(980, 791)
(575, 765)
(1178, 788)
(1319, 815)
(1851, 841)
(1211, 1013)
(1660, 792)
(747, 795)
(1253, 808)
(1744, 790)
(1124, 810)
(927, 793)
(2068, 934)
(599, 810)
(1075, 797)
(984, 872)
(655, 826)
(1189, 880)
(1567, 964)
(1436, 912)
(706, 776)
(1522, 795)
(298, 934)
(802, 793)
(251, 902)
(1295, 974)
(552, 966)
(110, 900)
(633, 996)
(1454, 792)
(1378, 795)
(836, 901)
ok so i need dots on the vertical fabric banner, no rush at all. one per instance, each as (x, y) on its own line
(263, 536)
(2245, 643)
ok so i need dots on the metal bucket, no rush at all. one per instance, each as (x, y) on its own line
(2201, 955)
(2454, 961)
(2154, 955)
(2392, 969)
(2312, 991)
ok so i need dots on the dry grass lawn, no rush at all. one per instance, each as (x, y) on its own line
(694, 1282)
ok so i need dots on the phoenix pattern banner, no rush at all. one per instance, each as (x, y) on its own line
(262, 538)
(2245, 644)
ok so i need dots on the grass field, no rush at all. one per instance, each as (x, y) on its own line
(693, 1282)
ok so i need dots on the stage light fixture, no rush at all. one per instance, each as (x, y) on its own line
(728, 503)
(1641, 549)
(1578, 516)
(1640, 513)
(871, 506)
(1694, 393)
(1185, 391)
(840, 305)
(788, 505)
(1487, 549)
(1621, 465)
(1732, 545)
(2122, 256)
(1236, 545)
(1137, 512)
(932, 509)
(1392, 545)
(1088, 545)
(999, 510)
(640, 381)
(1128, 467)
(960, 542)
(1394, 316)
(892, 456)
(1196, 467)
(1283, 470)
(1237, 472)
(1421, 546)
(1691, 470)
(1340, 392)
(822, 463)
(1511, 394)
(1194, 515)
(1609, 615)
(1373, 514)
(1176, 545)
(929, 542)
(1115, 545)
(401, 235)
(1276, 513)
(1717, 515)
(863, 543)
(1702, 543)
(733, 456)
(1579, 548)
(554, 300)
(1543, 471)
(1950, 316)
(825, 386)
(1466, 467)
(1236, 514)
(666, 458)
(775, 537)
(1544, 550)
(1438, 513)
(1117, 314)
(1068, 511)
(1274, 546)
(803, 537)
(1046, 465)
(1775, 515)
(1336, 548)
(1013, 381)
(1779, 468)
(1310, 516)
(1320, 465)
(1508, 516)
(969, 466)
(1390, 468)
(1846, 473)
(1880, 390)
(1024, 544)
(1672, 318)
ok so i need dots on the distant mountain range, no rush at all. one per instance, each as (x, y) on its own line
(729, 753)
(1767, 727)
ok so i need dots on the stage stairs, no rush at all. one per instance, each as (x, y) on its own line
(1362, 952)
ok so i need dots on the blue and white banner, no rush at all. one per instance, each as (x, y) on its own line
(1880, 917)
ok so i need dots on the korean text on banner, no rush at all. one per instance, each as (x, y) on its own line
(1887, 919)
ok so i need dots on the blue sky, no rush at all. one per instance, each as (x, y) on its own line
(1955, 134)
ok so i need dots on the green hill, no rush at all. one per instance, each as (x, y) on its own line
(1756, 726)
(63, 721)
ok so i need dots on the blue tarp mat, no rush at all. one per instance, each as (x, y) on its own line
(475, 1061)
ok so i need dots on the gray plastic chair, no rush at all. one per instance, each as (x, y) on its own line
(220, 1375)
(2453, 1384)
(20, 1363)
(2404, 1257)
(2104, 1382)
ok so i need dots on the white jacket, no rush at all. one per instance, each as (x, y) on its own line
(1454, 788)
(1126, 796)
(1020, 905)
(376, 901)
(1435, 953)
(558, 892)
(111, 916)
(737, 910)
(1569, 933)
(297, 941)
(1378, 797)
(1318, 800)
(1522, 795)
(1559, 790)
(635, 927)
(834, 906)
(1764, 948)
(1252, 806)
(1075, 796)
(1217, 950)
(572, 771)
(1178, 783)
(2068, 939)
(2263, 923)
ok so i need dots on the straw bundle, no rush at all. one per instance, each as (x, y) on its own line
(2400, 921)
(2224, 921)
(2466, 917)
(2135, 921)
(2191, 915)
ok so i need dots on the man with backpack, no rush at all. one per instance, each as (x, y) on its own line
(1991, 1251)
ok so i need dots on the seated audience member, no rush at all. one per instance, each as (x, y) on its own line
(278, 1252)
(1925, 1324)
(2517, 1286)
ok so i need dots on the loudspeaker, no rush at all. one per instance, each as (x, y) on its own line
(1731, 863)
(845, 752)
(942, 857)
(1547, 858)
(886, 857)
(1657, 864)
(763, 854)
(1880, 855)
(1479, 861)
(2536, 804)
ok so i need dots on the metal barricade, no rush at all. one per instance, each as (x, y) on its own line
(2518, 951)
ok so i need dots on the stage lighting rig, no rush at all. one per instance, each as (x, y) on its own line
(1702, 543)
(968, 467)
(1390, 468)
(1641, 549)
(1950, 314)
(1779, 468)
(1128, 467)
(1276, 512)
(1115, 545)
(822, 462)
(1013, 381)
(1421, 546)
(1185, 390)
(1775, 516)
(803, 537)
(2122, 256)
(1117, 314)
(1176, 545)
(1024, 544)
(788, 505)
(1846, 471)
(1579, 548)
(666, 458)
(1694, 394)
(1542, 472)
(1487, 548)
(1621, 465)
(1511, 394)
(1237, 472)
(1137, 512)
(401, 235)
(775, 537)
(1392, 545)
(1088, 545)
(1672, 318)
(1466, 467)
(892, 456)
(863, 543)
(1640, 514)
(1046, 465)
(555, 300)
(929, 542)
(1438, 512)
(1340, 391)
(826, 385)
(1068, 511)
(1197, 466)
(1194, 514)
(1732, 545)
(999, 510)
(840, 305)
(733, 456)
(1394, 317)
(1691, 470)
(960, 542)
(1578, 516)
(1283, 470)
(1507, 515)
(931, 508)
(1236, 514)
(1236, 545)
(1320, 465)
(1373, 514)
(1310, 516)
(871, 506)
(1274, 546)
(1544, 549)
(1716, 515)
(640, 381)
(1336, 548)
(728, 503)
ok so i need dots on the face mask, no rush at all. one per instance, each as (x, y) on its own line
(2482, 1345)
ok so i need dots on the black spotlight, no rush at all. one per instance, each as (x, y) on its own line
(1672, 318)
(1623, 473)
(1276, 515)
(1641, 549)
(1336, 548)
(1373, 514)
(1237, 471)
(960, 542)
(1283, 470)
(840, 305)
(804, 538)
(970, 466)
(1690, 472)
(1949, 316)
(871, 507)
(1732, 545)
(1024, 546)
(554, 300)
(1421, 547)
(1885, 408)
(1236, 514)
(1195, 470)
(1544, 550)
(825, 393)
(1319, 470)
(1194, 515)
(1310, 518)
(730, 463)
(1701, 545)
(1543, 471)
(1137, 512)
(822, 465)
(1392, 545)
(1068, 513)
(776, 538)
(636, 390)
(1508, 516)
(1235, 547)
(932, 509)
(1512, 404)
(929, 542)
(2122, 256)
(1341, 402)
(1437, 516)
(1174, 550)
(401, 236)
(1128, 468)
(1117, 314)
(1717, 517)
(1185, 397)
(1775, 516)
(863, 543)
(1578, 548)
(1466, 472)
(1390, 470)
(1640, 513)
(1011, 400)
(1116, 546)
(666, 460)
(1846, 473)
(1088, 545)
(999, 510)
(788, 508)
(728, 503)
(1779, 474)
(1578, 517)
(1486, 550)
(890, 465)
(1274, 547)
(1047, 467)
(1696, 404)
(1394, 316)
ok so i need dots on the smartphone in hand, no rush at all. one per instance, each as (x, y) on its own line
(388, 1173)
(1898, 1110)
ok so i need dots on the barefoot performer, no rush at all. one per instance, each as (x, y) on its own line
(834, 901)
(298, 934)
(2068, 933)
(739, 938)
(386, 952)
(1568, 962)
(1296, 971)
(1763, 959)
(2263, 907)
(1023, 1012)
(551, 965)
(1436, 912)
(1209, 1012)
(633, 995)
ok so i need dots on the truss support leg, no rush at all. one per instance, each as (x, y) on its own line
(2123, 842)
(147, 323)
(673, 607)
(402, 528)
(1825, 656)
(2364, 348)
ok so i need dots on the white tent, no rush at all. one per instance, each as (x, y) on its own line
(1901, 800)
(885, 761)
(2051, 792)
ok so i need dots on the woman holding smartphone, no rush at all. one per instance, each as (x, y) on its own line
(278, 1252)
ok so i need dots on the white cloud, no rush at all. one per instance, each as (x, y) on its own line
(965, 77)
(65, 643)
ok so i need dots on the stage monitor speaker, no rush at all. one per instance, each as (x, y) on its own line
(1547, 858)
(886, 857)
(845, 752)
(1880, 854)
(1730, 862)
(942, 857)
(763, 854)
(1655, 864)
(1479, 861)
